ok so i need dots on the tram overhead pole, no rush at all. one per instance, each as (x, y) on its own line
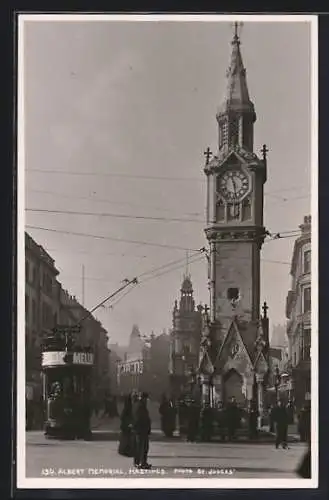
(126, 283)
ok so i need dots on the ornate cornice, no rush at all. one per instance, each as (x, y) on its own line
(216, 233)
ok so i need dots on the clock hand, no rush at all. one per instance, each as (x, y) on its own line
(234, 186)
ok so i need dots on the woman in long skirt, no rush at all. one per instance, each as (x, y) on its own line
(127, 437)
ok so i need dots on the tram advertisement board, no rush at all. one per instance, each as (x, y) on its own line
(56, 358)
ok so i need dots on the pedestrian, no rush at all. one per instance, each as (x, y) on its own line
(107, 404)
(193, 416)
(182, 416)
(221, 420)
(281, 421)
(206, 420)
(142, 428)
(168, 415)
(127, 442)
(304, 468)
(290, 412)
(232, 419)
(135, 398)
(304, 423)
(252, 420)
(271, 413)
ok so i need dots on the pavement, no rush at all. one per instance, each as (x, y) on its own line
(169, 457)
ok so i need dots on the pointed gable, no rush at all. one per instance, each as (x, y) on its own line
(237, 155)
(234, 353)
(205, 365)
(261, 365)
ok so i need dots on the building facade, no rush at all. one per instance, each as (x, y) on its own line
(41, 309)
(144, 365)
(298, 312)
(234, 344)
(131, 369)
(185, 340)
(279, 337)
(93, 336)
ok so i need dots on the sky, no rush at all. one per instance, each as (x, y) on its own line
(123, 105)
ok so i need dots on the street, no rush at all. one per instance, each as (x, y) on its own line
(174, 458)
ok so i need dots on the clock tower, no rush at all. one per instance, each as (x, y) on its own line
(233, 359)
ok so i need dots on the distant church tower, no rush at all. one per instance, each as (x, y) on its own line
(185, 340)
(233, 358)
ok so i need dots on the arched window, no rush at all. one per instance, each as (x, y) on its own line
(246, 209)
(233, 211)
(234, 131)
(220, 210)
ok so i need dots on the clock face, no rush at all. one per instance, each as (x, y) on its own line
(233, 184)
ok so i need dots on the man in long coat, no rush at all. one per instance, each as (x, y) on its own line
(281, 420)
(168, 415)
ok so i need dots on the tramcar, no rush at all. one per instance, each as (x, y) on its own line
(67, 370)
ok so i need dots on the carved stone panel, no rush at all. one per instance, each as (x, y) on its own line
(234, 354)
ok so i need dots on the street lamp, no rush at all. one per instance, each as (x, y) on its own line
(192, 379)
(277, 381)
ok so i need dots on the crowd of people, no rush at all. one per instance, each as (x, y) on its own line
(202, 423)
(197, 422)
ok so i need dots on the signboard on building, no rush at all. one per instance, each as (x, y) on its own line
(56, 358)
(67, 329)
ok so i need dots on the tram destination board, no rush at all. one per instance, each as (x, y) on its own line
(62, 329)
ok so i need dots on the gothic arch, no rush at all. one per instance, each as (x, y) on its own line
(233, 383)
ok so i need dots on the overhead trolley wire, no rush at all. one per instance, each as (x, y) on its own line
(110, 238)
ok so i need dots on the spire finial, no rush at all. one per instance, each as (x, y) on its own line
(186, 272)
(237, 31)
(207, 154)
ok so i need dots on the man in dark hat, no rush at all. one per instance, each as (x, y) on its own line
(142, 428)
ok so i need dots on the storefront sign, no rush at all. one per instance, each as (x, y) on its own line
(56, 358)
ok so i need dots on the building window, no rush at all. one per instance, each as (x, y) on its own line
(27, 271)
(307, 262)
(234, 131)
(222, 138)
(34, 311)
(307, 344)
(246, 209)
(220, 211)
(27, 307)
(233, 211)
(34, 275)
(233, 294)
(47, 283)
(307, 299)
(47, 316)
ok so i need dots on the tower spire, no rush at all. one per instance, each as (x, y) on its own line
(236, 114)
(237, 94)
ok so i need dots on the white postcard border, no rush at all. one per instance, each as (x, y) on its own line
(169, 483)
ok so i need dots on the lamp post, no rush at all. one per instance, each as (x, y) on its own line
(277, 381)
